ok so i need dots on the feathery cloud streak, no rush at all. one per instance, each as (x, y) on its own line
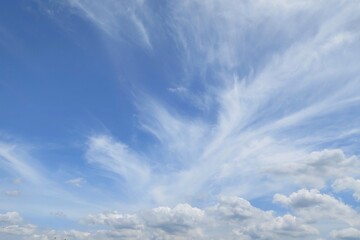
(269, 95)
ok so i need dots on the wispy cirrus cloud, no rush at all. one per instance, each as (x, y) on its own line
(116, 157)
(14, 158)
(34, 183)
(275, 88)
(266, 100)
(119, 20)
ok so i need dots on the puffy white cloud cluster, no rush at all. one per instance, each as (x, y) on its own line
(180, 222)
(236, 218)
(11, 223)
(174, 221)
(249, 222)
(348, 183)
(318, 168)
(10, 217)
(310, 211)
(21, 230)
(313, 206)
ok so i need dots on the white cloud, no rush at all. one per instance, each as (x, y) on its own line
(288, 226)
(19, 165)
(53, 234)
(12, 226)
(338, 40)
(180, 222)
(285, 227)
(10, 218)
(239, 209)
(312, 205)
(250, 222)
(177, 89)
(255, 112)
(120, 20)
(346, 234)
(282, 76)
(24, 230)
(75, 234)
(119, 234)
(14, 158)
(78, 182)
(115, 220)
(260, 96)
(177, 221)
(118, 158)
(348, 183)
(230, 218)
(331, 163)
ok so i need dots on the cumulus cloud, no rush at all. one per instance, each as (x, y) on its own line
(12, 223)
(115, 220)
(231, 217)
(53, 234)
(317, 168)
(314, 206)
(287, 226)
(250, 222)
(12, 226)
(10, 217)
(119, 234)
(23, 230)
(348, 183)
(238, 209)
(178, 221)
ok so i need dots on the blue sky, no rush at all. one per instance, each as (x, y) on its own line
(179, 119)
